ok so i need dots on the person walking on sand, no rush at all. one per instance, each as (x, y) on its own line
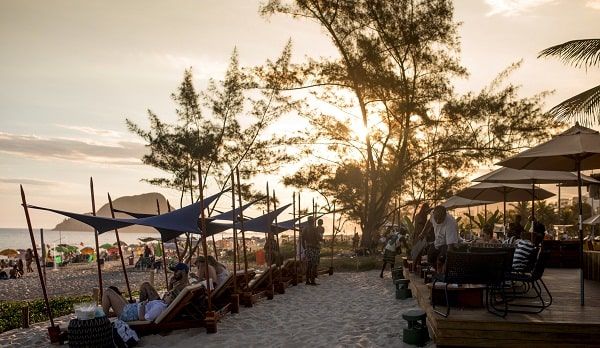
(29, 260)
(394, 244)
(310, 243)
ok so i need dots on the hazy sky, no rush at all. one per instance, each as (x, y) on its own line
(71, 71)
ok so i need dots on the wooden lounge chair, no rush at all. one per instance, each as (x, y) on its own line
(260, 287)
(292, 272)
(186, 311)
(224, 297)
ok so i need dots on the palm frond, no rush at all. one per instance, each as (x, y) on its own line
(584, 52)
(584, 107)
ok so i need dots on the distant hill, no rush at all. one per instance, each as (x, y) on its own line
(144, 203)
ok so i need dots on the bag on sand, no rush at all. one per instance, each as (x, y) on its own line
(123, 335)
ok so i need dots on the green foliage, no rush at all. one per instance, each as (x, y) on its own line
(480, 220)
(355, 264)
(392, 78)
(10, 311)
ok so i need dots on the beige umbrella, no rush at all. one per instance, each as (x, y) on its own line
(525, 176)
(461, 202)
(499, 192)
(576, 149)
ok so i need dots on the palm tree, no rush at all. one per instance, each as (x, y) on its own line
(584, 107)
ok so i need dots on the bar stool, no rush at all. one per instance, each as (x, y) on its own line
(402, 290)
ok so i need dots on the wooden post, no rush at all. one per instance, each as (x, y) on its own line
(241, 216)
(332, 240)
(210, 316)
(162, 245)
(269, 263)
(25, 316)
(37, 260)
(112, 213)
(235, 289)
(295, 279)
(96, 238)
(280, 287)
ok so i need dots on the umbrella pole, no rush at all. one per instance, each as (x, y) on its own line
(558, 201)
(532, 208)
(295, 281)
(237, 173)
(37, 258)
(164, 251)
(504, 212)
(580, 232)
(112, 213)
(96, 240)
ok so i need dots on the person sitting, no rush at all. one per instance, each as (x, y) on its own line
(220, 269)
(14, 273)
(212, 272)
(150, 305)
(487, 235)
(525, 250)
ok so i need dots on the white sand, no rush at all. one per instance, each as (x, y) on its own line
(347, 309)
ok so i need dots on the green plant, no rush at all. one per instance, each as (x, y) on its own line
(10, 311)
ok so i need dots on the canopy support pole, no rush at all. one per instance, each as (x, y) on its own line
(237, 173)
(295, 281)
(162, 245)
(580, 231)
(96, 240)
(112, 213)
(235, 247)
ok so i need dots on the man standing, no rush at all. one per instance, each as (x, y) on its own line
(321, 232)
(310, 242)
(445, 229)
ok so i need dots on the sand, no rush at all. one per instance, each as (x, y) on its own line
(346, 309)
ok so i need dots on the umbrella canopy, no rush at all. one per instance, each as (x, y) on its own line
(106, 246)
(461, 202)
(122, 243)
(87, 251)
(562, 152)
(576, 149)
(593, 220)
(9, 252)
(525, 176)
(498, 192)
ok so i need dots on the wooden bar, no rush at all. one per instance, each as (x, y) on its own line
(564, 324)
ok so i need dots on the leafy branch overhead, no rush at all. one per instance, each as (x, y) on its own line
(392, 126)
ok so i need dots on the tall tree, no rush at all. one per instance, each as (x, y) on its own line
(393, 74)
(585, 106)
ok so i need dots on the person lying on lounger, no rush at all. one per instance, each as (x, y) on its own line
(150, 305)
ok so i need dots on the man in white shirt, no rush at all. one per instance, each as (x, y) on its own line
(445, 230)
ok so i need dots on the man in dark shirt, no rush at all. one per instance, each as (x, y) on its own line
(310, 242)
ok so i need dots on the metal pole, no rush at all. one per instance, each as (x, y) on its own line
(96, 238)
(43, 252)
(37, 259)
(162, 245)
(276, 239)
(112, 213)
(332, 235)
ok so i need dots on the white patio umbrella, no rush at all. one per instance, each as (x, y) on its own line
(503, 192)
(455, 202)
(592, 220)
(576, 149)
(533, 177)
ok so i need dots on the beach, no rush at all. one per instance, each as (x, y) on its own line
(346, 309)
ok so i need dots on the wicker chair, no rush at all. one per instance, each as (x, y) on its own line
(473, 268)
(532, 281)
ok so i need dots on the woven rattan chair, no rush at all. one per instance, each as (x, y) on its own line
(485, 268)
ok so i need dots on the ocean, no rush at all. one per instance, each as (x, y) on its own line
(18, 238)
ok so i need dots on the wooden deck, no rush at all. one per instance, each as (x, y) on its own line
(564, 324)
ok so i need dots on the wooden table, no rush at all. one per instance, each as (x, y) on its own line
(466, 295)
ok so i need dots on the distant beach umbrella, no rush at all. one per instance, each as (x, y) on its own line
(9, 252)
(87, 251)
(106, 246)
(148, 239)
(455, 202)
(122, 243)
(593, 220)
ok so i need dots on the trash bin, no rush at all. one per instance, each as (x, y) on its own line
(130, 260)
(260, 257)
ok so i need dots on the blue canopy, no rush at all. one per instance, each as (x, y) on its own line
(259, 224)
(289, 224)
(230, 215)
(180, 220)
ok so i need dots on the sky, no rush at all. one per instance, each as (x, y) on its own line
(72, 71)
